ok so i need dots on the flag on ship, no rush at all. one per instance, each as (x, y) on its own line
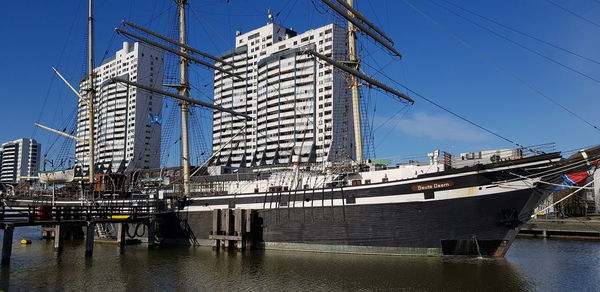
(572, 179)
(154, 120)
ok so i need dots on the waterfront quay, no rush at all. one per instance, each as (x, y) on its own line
(577, 227)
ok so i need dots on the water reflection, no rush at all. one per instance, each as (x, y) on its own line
(558, 264)
(527, 267)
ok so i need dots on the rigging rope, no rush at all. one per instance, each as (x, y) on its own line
(522, 33)
(453, 113)
(556, 170)
(197, 15)
(197, 134)
(573, 13)
(500, 67)
(60, 57)
(568, 196)
(551, 184)
(402, 114)
(367, 125)
(167, 131)
(517, 43)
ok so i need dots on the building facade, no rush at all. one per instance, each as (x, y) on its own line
(125, 136)
(19, 159)
(301, 107)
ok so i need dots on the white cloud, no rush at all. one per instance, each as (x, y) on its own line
(438, 127)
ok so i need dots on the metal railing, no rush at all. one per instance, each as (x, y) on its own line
(39, 213)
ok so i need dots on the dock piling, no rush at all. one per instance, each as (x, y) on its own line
(216, 216)
(7, 244)
(121, 231)
(89, 239)
(47, 232)
(247, 232)
(238, 230)
(58, 237)
(231, 228)
(226, 221)
(151, 234)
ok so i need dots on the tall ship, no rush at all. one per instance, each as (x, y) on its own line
(287, 169)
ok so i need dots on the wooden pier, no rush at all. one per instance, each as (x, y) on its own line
(57, 219)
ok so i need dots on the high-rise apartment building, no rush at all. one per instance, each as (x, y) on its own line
(124, 135)
(19, 159)
(301, 106)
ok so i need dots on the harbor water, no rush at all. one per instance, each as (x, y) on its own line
(531, 265)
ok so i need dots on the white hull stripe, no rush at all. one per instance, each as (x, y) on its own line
(401, 198)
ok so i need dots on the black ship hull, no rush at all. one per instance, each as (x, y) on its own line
(419, 228)
(462, 213)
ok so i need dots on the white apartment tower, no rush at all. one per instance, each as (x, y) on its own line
(125, 138)
(301, 106)
(18, 159)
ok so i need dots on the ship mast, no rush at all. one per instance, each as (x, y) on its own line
(357, 22)
(354, 64)
(184, 90)
(183, 87)
(91, 92)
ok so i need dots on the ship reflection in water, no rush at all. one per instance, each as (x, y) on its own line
(531, 265)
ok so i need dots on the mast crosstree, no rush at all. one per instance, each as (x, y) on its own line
(357, 22)
(88, 99)
(183, 87)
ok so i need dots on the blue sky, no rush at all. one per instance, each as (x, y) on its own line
(464, 77)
